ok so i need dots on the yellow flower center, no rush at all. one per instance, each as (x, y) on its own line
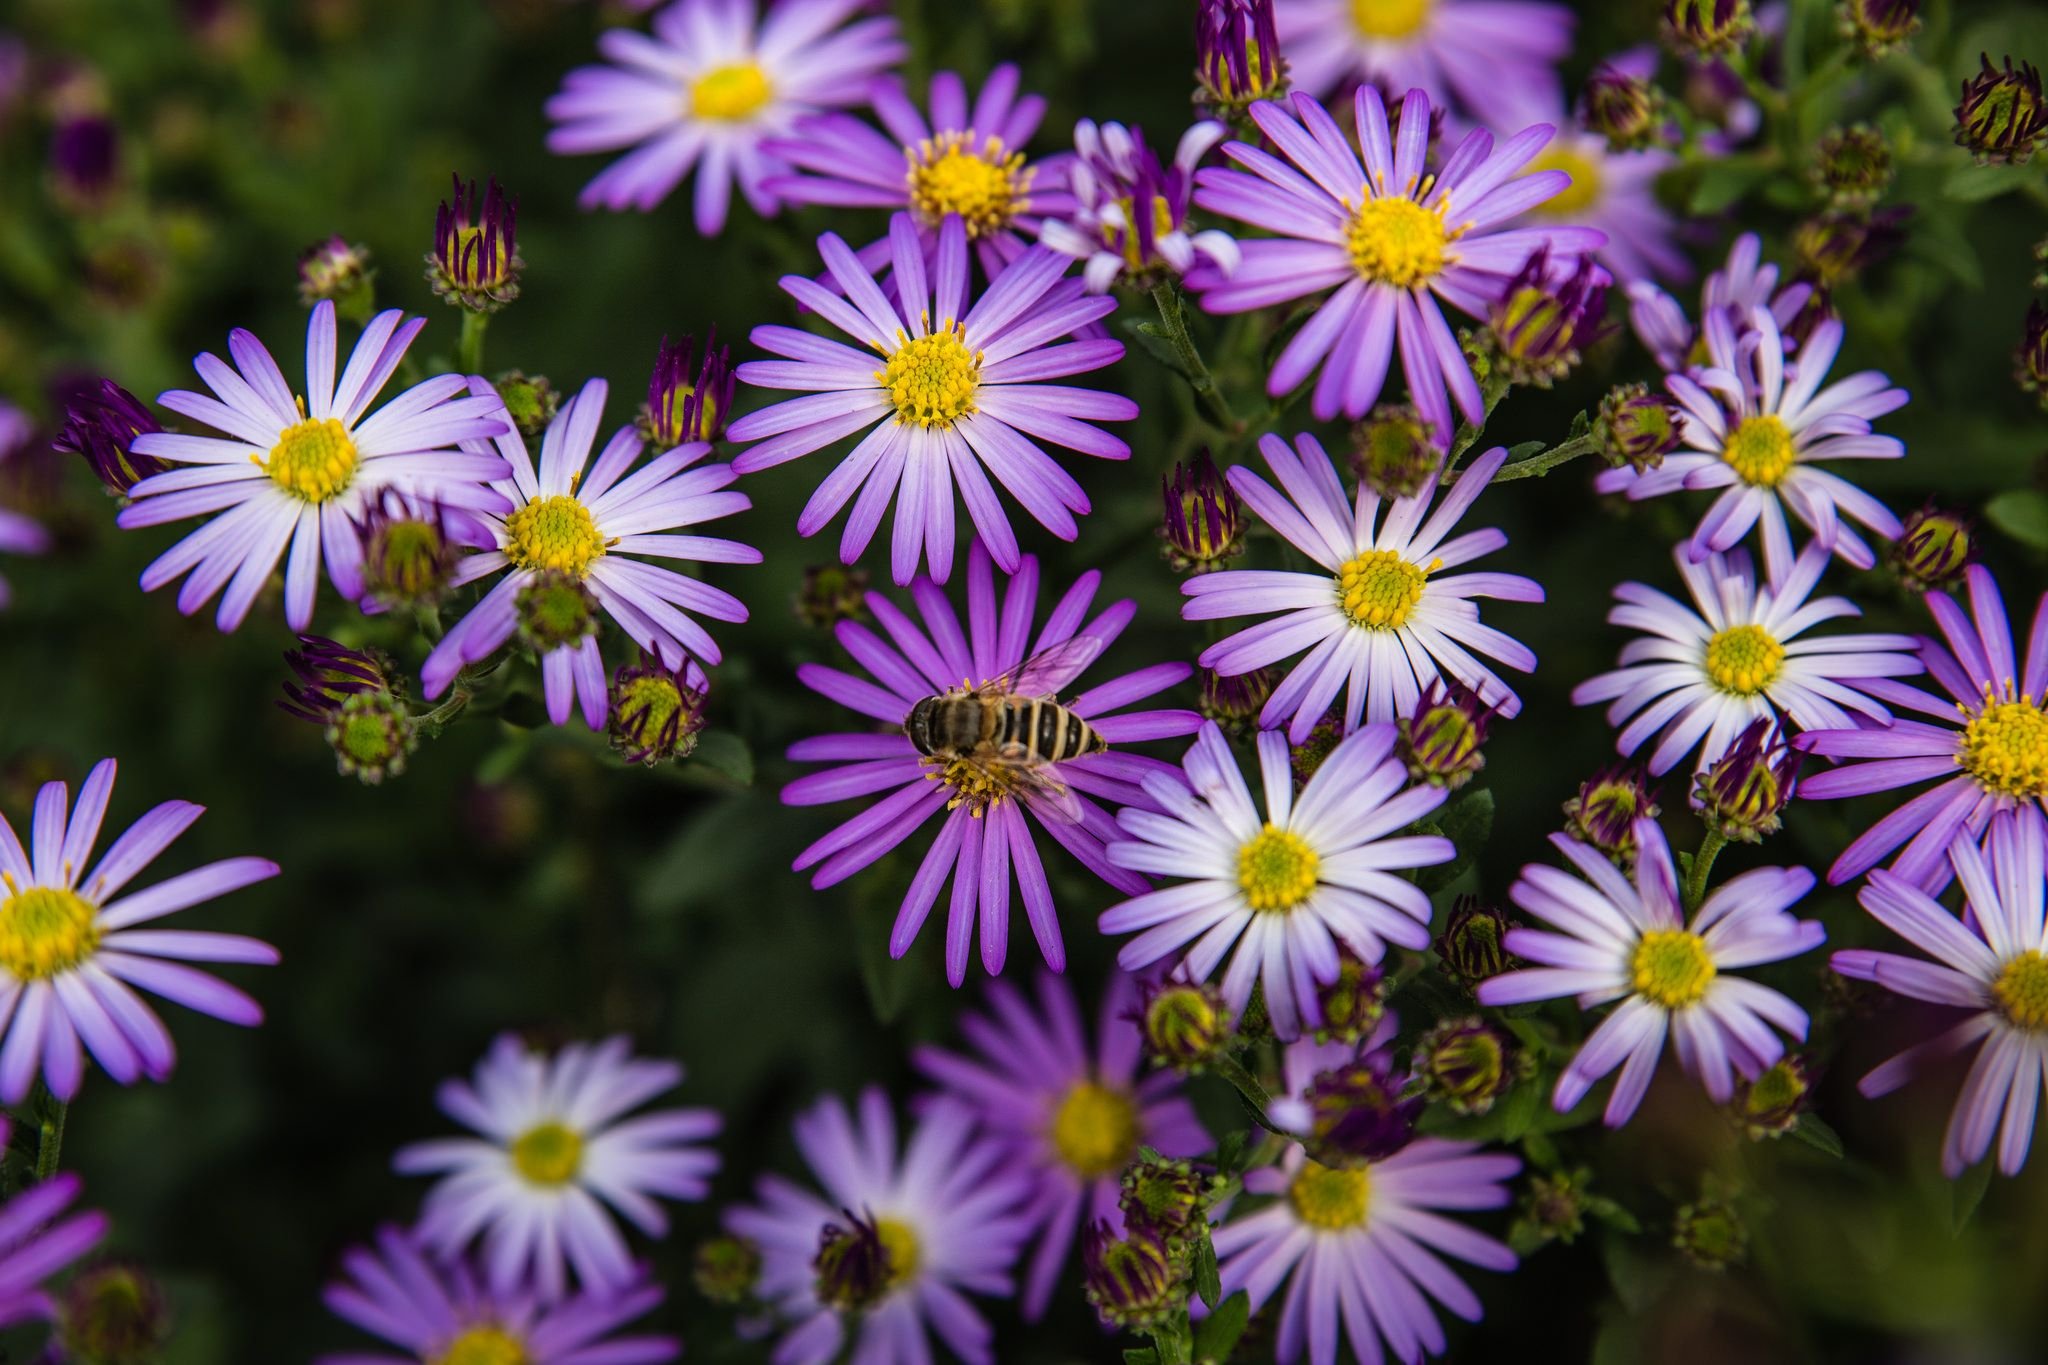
(1394, 240)
(988, 187)
(2005, 747)
(1744, 660)
(548, 1154)
(1329, 1199)
(555, 534)
(1276, 870)
(313, 460)
(45, 931)
(1162, 223)
(1672, 968)
(1379, 589)
(1095, 1129)
(901, 1245)
(485, 1346)
(1388, 18)
(1571, 202)
(932, 379)
(730, 93)
(2022, 991)
(1759, 450)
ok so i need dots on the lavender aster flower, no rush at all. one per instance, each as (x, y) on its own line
(1130, 213)
(896, 1244)
(1988, 742)
(443, 1314)
(956, 398)
(1392, 238)
(967, 162)
(1735, 291)
(34, 1244)
(1488, 57)
(1993, 961)
(299, 471)
(1070, 1119)
(984, 834)
(554, 1148)
(1361, 1246)
(71, 956)
(20, 534)
(706, 89)
(1616, 193)
(1701, 675)
(1283, 889)
(1375, 618)
(1755, 428)
(1628, 940)
(574, 539)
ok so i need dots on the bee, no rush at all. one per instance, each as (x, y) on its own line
(1003, 735)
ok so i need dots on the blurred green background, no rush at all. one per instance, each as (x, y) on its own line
(524, 880)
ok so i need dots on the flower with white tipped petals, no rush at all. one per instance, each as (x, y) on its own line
(1115, 173)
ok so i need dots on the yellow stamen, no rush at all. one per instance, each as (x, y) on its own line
(1571, 203)
(932, 379)
(2022, 991)
(1095, 1130)
(554, 533)
(1388, 18)
(1672, 968)
(485, 1346)
(987, 186)
(1379, 590)
(730, 93)
(1332, 1200)
(1276, 870)
(1393, 240)
(313, 460)
(550, 1153)
(46, 931)
(1744, 660)
(1760, 451)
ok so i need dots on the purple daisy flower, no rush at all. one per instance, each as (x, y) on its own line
(896, 1244)
(1363, 1245)
(1391, 237)
(1114, 172)
(956, 398)
(1070, 1119)
(984, 838)
(1278, 892)
(1737, 656)
(1489, 57)
(72, 958)
(1989, 739)
(1616, 193)
(573, 540)
(442, 1313)
(300, 471)
(1629, 941)
(1377, 622)
(34, 1245)
(704, 91)
(967, 162)
(1735, 291)
(19, 533)
(555, 1149)
(1993, 961)
(1754, 426)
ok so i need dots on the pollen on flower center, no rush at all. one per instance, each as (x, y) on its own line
(1672, 968)
(2022, 991)
(485, 1346)
(549, 1153)
(1744, 660)
(1393, 240)
(46, 931)
(314, 459)
(900, 1242)
(1331, 1199)
(1095, 1129)
(555, 534)
(2005, 747)
(730, 93)
(1572, 202)
(1379, 589)
(1388, 18)
(988, 187)
(1277, 869)
(932, 379)
(1759, 450)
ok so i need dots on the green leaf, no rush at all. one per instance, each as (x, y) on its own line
(1974, 184)
(1140, 1355)
(1208, 1280)
(1582, 423)
(1465, 821)
(1527, 448)
(1968, 1192)
(2021, 513)
(1721, 183)
(1230, 1153)
(1815, 1133)
(1216, 1336)
(888, 981)
(1612, 1214)
(697, 863)
(1541, 1151)
(725, 753)
(1519, 1110)
(1152, 341)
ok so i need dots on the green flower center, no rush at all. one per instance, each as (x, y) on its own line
(1095, 1129)
(730, 93)
(932, 379)
(2022, 991)
(1759, 450)
(313, 460)
(1744, 660)
(1672, 968)
(46, 931)
(1378, 589)
(554, 533)
(1276, 870)
(1332, 1200)
(548, 1154)
(2005, 747)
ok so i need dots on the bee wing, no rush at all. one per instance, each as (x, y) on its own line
(1049, 798)
(1047, 673)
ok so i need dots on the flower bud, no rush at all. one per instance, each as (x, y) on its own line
(1163, 1197)
(1852, 166)
(2002, 113)
(1554, 1207)
(726, 1269)
(1185, 1024)
(1304, 758)
(1834, 248)
(1879, 27)
(112, 1313)
(2030, 360)
(854, 1264)
(1473, 943)
(340, 272)
(1706, 28)
(101, 423)
(1356, 1115)
(1742, 791)
(1351, 1004)
(1710, 1232)
(1605, 811)
(85, 160)
(409, 555)
(683, 406)
(1131, 1280)
(1204, 523)
(1636, 427)
(1467, 1063)
(1624, 109)
(372, 734)
(1394, 452)
(1933, 549)
(832, 593)
(1235, 702)
(1237, 55)
(1546, 317)
(329, 673)
(555, 611)
(530, 401)
(656, 712)
(1440, 741)
(475, 262)
(1770, 1105)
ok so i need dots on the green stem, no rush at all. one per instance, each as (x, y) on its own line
(50, 1138)
(1541, 463)
(1174, 1340)
(436, 720)
(1173, 319)
(470, 352)
(1702, 864)
(1248, 1088)
(1492, 389)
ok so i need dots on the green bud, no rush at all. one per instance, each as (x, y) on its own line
(555, 612)
(1770, 1105)
(1933, 549)
(372, 733)
(2002, 113)
(1710, 1232)
(530, 401)
(1185, 1025)
(727, 1268)
(1393, 451)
